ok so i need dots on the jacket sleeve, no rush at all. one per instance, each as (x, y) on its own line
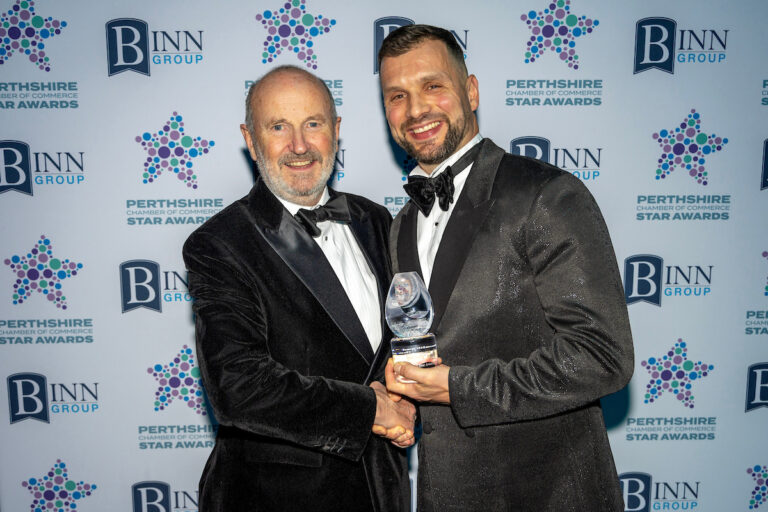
(245, 386)
(589, 352)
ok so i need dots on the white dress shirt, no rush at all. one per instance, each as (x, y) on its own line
(342, 251)
(429, 229)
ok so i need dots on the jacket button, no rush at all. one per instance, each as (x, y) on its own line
(469, 432)
(426, 427)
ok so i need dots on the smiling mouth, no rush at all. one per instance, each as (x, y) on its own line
(426, 127)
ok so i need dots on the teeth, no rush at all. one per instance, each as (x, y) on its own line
(425, 128)
(303, 163)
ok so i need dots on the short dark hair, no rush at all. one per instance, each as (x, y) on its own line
(404, 39)
(253, 90)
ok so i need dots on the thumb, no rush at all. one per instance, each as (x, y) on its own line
(408, 371)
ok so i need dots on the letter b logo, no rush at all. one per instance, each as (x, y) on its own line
(151, 497)
(642, 279)
(28, 397)
(140, 285)
(127, 46)
(636, 490)
(15, 172)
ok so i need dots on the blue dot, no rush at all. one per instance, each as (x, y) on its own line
(277, 39)
(188, 164)
(40, 46)
(179, 118)
(162, 398)
(44, 33)
(22, 291)
(193, 152)
(15, 259)
(295, 49)
(63, 23)
(725, 141)
(79, 265)
(571, 44)
(310, 44)
(333, 22)
(313, 31)
(146, 136)
(33, 481)
(534, 49)
(532, 15)
(158, 367)
(2, 51)
(292, 23)
(596, 22)
(210, 143)
(576, 32)
(652, 360)
(171, 144)
(271, 49)
(540, 38)
(61, 274)
(267, 14)
(152, 170)
(46, 242)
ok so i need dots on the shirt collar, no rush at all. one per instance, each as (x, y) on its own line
(293, 207)
(418, 171)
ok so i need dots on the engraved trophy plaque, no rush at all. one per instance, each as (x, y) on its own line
(409, 312)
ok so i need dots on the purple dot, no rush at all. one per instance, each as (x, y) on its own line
(666, 375)
(678, 149)
(164, 152)
(562, 30)
(548, 31)
(693, 148)
(33, 274)
(178, 151)
(29, 32)
(189, 381)
(296, 13)
(49, 495)
(284, 30)
(14, 33)
(299, 30)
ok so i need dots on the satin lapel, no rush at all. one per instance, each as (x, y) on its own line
(465, 221)
(407, 245)
(305, 258)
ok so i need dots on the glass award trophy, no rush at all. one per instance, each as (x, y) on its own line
(408, 311)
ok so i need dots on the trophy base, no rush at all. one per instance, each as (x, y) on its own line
(419, 351)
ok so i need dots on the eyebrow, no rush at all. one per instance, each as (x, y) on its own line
(314, 117)
(427, 78)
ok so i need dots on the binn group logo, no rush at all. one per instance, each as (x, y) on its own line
(687, 147)
(757, 387)
(647, 279)
(20, 167)
(31, 396)
(674, 374)
(131, 46)
(144, 285)
(179, 380)
(659, 45)
(56, 491)
(292, 29)
(40, 272)
(171, 150)
(556, 29)
(382, 27)
(582, 162)
(155, 496)
(24, 32)
(642, 494)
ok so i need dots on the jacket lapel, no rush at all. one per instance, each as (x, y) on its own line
(406, 243)
(463, 225)
(308, 262)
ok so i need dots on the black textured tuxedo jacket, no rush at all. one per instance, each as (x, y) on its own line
(286, 365)
(530, 316)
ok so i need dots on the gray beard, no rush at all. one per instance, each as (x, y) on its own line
(280, 188)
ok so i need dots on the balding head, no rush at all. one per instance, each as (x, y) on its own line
(281, 72)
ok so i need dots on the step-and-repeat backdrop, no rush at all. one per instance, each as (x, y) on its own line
(119, 136)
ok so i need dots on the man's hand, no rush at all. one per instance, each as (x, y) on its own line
(394, 419)
(431, 384)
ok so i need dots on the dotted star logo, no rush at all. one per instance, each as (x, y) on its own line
(687, 147)
(292, 29)
(556, 29)
(760, 492)
(674, 373)
(179, 380)
(55, 491)
(38, 271)
(170, 149)
(25, 32)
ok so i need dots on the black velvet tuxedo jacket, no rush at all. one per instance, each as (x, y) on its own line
(530, 316)
(286, 364)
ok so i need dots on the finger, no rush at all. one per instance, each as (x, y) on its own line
(411, 372)
(379, 430)
(404, 437)
(390, 378)
(395, 397)
(395, 432)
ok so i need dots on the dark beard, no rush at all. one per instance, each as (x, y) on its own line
(436, 155)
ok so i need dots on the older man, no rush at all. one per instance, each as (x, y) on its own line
(530, 316)
(289, 283)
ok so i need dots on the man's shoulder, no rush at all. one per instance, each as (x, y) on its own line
(365, 205)
(224, 224)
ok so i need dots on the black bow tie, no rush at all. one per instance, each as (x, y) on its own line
(424, 190)
(336, 209)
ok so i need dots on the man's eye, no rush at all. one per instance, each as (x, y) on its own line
(277, 127)
(313, 124)
(396, 97)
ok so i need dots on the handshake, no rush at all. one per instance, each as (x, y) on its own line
(395, 408)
